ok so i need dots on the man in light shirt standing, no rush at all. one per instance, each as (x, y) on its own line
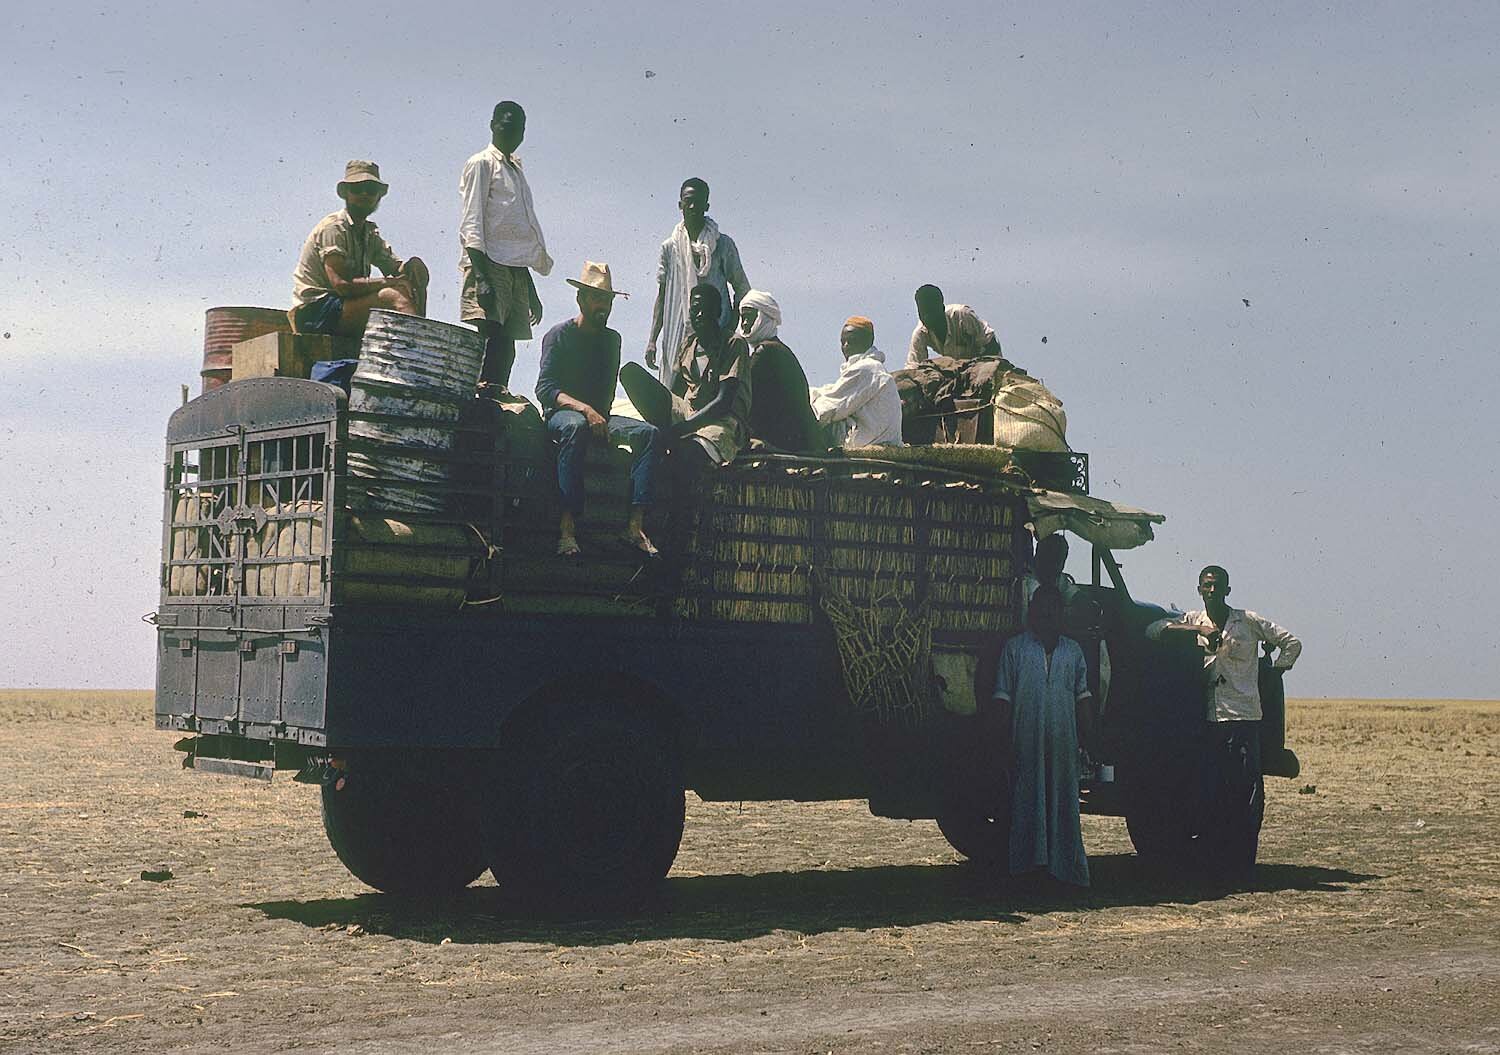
(1234, 792)
(502, 244)
(948, 329)
(696, 252)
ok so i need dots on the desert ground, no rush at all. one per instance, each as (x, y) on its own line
(1371, 925)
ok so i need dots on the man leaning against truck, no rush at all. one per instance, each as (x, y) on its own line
(576, 387)
(332, 291)
(1233, 789)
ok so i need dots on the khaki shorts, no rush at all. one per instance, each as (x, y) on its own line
(510, 302)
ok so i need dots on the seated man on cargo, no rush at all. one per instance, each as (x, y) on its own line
(332, 290)
(1043, 684)
(706, 414)
(576, 387)
(780, 416)
(862, 408)
(948, 329)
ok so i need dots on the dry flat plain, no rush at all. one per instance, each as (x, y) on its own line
(1372, 925)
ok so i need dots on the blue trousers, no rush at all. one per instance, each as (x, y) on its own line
(570, 431)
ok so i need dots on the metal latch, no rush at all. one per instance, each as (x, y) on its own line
(247, 644)
(289, 648)
(185, 645)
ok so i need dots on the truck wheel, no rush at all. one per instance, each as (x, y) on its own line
(402, 828)
(592, 807)
(1161, 837)
(983, 839)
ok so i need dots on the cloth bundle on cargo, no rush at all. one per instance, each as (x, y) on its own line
(984, 400)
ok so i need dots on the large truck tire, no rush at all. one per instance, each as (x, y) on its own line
(590, 805)
(979, 835)
(1162, 837)
(403, 828)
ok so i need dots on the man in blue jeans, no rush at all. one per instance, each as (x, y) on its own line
(576, 387)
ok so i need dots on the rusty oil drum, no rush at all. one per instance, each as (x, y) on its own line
(223, 328)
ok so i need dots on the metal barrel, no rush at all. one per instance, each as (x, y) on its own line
(223, 328)
(413, 380)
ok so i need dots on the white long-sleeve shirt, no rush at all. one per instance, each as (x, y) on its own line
(498, 218)
(864, 395)
(1234, 668)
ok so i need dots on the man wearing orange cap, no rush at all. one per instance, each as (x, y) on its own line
(332, 291)
(862, 408)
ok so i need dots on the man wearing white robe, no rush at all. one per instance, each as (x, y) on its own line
(695, 252)
(862, 408)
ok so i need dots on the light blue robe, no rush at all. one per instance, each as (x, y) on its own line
(1044, 826)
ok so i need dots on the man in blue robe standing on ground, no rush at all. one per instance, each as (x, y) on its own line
(1043, 680)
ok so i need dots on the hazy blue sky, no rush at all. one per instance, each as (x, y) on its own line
(1117, 179)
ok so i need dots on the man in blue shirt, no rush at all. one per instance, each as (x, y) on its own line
(576, 388)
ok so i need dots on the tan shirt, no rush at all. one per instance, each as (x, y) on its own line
(360, 245)
(968, 336)
(702, 369)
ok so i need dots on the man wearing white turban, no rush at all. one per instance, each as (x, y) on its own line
(780, 414)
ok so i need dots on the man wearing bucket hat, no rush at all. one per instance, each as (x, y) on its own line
(576, 388)
(332, 291)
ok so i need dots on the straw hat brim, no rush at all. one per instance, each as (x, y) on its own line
(598, 289)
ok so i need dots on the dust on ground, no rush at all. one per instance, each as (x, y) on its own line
(1371, 925)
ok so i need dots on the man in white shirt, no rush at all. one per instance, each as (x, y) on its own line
(502, 244)
(862, 408)
(948, 329)
(1234, 792)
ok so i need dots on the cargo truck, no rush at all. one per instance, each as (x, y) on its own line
(816, 629)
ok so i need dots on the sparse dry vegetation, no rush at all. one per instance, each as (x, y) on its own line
(1372, 923)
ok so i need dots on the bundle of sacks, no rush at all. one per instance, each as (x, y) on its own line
(1027, 416)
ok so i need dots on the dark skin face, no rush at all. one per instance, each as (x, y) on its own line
(507, 130)
(1045, 618)
(1214, 589)
(594, 307)
(855, 339)
(693, 201)
(747, 319)
(930, 312)
(1051, 557)
(703, 315)
(361, 199)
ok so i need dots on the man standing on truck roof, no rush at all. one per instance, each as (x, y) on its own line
(706, 414)
(1044, 682)
(695, 252)
(948, 329)
(502, 244)
(576, 387)
(332, 291)
(1233, 789)
(862, 408)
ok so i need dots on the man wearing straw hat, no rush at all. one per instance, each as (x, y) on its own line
(332, 290)
(576, 387)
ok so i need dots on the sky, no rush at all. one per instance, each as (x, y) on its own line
(1253, 250)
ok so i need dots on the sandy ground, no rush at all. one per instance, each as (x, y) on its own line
(1372, 924)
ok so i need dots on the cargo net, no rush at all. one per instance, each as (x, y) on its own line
(885, 651)
(247, 519)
